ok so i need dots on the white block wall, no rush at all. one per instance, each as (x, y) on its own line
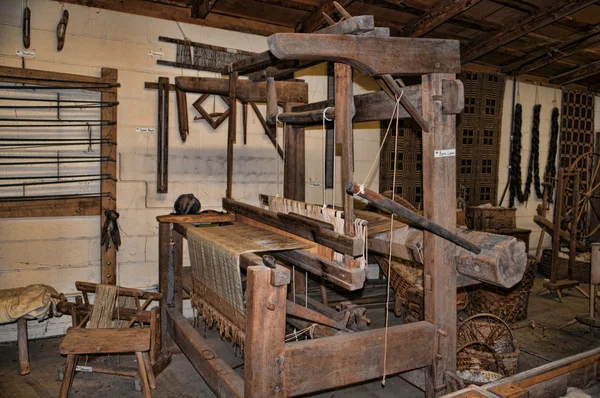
(60, 251)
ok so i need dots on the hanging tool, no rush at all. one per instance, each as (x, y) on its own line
(419, 221)
(110, 230)
(26, 27)
(184, 129)
(163, 135)
(61, 30)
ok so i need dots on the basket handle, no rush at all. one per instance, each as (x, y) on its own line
(512, 335)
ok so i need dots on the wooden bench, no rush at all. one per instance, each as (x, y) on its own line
(80, 341)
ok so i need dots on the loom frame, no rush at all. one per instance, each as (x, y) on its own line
(274, 368)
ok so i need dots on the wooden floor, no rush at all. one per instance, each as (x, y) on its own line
(538, 346)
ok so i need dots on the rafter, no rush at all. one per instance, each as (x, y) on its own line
(315, 20)
(419, 9)
(441, 13)
(519, 5)
(521, 28)
(201, 8)
(571, 45)
(173, 13)
(577, 74)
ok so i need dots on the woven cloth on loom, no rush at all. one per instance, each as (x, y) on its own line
(217, 282)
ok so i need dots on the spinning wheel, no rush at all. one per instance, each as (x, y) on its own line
(588, 166)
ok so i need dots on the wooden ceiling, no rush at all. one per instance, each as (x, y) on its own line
(557, 41)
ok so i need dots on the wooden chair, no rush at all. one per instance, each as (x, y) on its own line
(94, 332)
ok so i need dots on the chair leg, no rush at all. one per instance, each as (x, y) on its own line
(143, 375)
(149, 371)
(68, 376)
(23, 345)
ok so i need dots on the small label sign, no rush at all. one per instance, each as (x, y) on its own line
(82, 368)
(145, 130)
(232, 51)
(25, 54)
(156, 54)
(444, 153)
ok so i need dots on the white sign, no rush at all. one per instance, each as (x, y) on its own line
(232, 51)
(156, 54)
(81, 368)
(444, 153)
(145, 130)
(25, 54)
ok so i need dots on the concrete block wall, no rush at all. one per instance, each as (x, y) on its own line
(60, 251)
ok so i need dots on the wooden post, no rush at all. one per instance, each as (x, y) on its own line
(177, 271)
(558, 204)
(265, 331)
(344, 111)
(23, 345)
(108, 258)
(594, 277)
(294, 179)
(164, 270)
(231, 131)
(574, 224)
(439, 188)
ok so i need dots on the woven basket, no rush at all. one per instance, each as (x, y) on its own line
(581, 269)
(501, 357)
(490, 217)
(508, 304)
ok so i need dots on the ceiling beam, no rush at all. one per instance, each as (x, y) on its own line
(315, 20)
(521, 28)
(577, 74)
(173, 13)
(573, 44)
(201, 8)
(441, 13)
(518, 5)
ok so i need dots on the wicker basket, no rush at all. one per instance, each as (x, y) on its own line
(509, 304)
(490, 217)
(501, 356)
(581, 269)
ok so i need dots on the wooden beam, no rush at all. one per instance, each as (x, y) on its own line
(246, 91)
(521, 28)
(51, 208)
(352, 246)
(108, 258)
(577, 74)
(519, 5)
(344, 112)
(573, 44)
(356, 357)
(219, 376)
(231, 131)
(201, 8)
(439, 263)
(265, 332)
(441, 13)
(316, 20)
(372, 55)
(175, 13)
(294, 181)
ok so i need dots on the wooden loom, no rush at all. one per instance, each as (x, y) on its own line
(276, 368)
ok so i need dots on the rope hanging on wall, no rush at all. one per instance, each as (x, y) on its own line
(533, 170)
(515, 158)
(550, 171)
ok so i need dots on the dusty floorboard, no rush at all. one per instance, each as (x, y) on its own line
(539, 345)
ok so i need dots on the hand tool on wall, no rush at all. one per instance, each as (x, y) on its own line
(163, 135)
(110, 230)
(61, 30)
(182, 115)
(26, 27)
